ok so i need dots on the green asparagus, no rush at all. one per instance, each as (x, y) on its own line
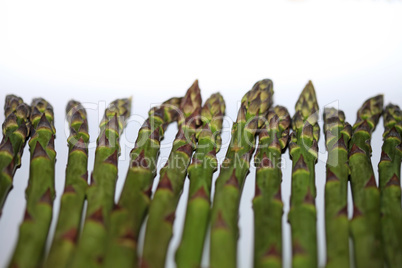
(72, 200)
(390, 187)
(234, 169)
(303, 149)
(40, 192)
(267, 203)
(365, 225)
(130, 212)
(16, 129)
(162, 209)
(91, 246)
(337, 137)
(200, 172)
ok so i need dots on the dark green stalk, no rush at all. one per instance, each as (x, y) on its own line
(159, 229)
(267, 203)
(72, 200)
(40, 192)
(100, 194)
(200, 172)
(303, 149)
(129, 215)
(390, 187)
(16, 128)
(234, 169)
(365, 227)
(337, 137)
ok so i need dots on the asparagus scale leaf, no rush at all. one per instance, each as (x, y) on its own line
(129, 214)
(100, 194)
(72, 200)
(365, 225)
(390, 186)
(337, 137)
(40, 192)
(267, 203)
(234, 169)
(159, 228)
(16, 131)
(200, 172)
(303, 150)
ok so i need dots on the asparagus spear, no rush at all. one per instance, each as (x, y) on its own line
(200, 172)
(40, 192)
(72, 200)
(100, 194)
(303, 149)
(390, 186)
(163, 206)
(267, 203)
(234, 169)
(16, 128)
(337, 136)
(365, 225)
(129, 214)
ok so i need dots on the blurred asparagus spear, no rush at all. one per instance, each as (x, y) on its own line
(72, 200)
(159, 228)
(390, 186)
(234, 169)
(303, 149)
(16, 131)
(337, 137)
(365, 227)
(40, 192)
(100, 194)
(267, 203)
(131, 210)
(200, 172)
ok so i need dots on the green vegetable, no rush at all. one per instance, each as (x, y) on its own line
(234, 169)
(166, 198)
(16, 131)
(40, 192)
(267, 203)
(200, 172)
(365, 227)
(303, 149)
(72, 200)
(390, 187)
(131, 210)
(337, 137)
(100, 194)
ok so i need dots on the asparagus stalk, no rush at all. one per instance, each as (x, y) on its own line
(129, 214)
(72, 200)
(390, 186)
(200, 172)
(337, 137)
(365, 225)
(40, 192)
(303, 149)
(163, 206)
(16, 128)
(100, 194)
(267, 203)
(234, 169)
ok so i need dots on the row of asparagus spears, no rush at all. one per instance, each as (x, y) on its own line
(109, 235)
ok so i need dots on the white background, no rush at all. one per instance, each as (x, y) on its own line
(96, 51)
